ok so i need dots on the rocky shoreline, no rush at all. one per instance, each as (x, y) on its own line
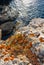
(25, 46)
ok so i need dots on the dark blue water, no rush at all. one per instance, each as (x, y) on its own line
(29, 9)
(37, 10)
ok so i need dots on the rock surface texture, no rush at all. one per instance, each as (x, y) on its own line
(35, 33)
(7, 16)
(26, 46)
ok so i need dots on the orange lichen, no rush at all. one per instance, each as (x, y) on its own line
(5, 53)
(6, 59)
(41, 39)
(25, 41)
(20, 44)
(2, 46)
(20, 41)
(8, 47)
(31, 44)
(28, 46)
(31, 35)
(11, 57)
(32, 57)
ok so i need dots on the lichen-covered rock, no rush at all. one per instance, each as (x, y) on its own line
(35, 33)
(26, 45)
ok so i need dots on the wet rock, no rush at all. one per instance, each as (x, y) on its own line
(4, 2)
(7, 27)
(19, 24)
(8, 14)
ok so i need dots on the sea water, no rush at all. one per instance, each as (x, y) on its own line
(28, 9)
